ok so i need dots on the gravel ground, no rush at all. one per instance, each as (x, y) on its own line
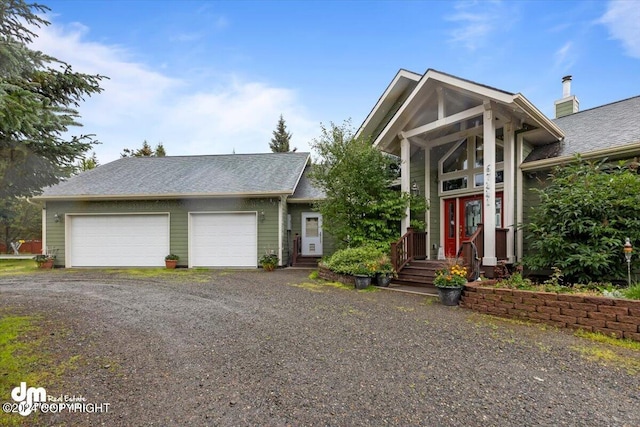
(227, 348)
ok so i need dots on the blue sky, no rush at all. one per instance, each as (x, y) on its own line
(213, 77)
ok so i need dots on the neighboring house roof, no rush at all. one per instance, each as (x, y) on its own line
(305, 191)
(186, 176)
(598, 129)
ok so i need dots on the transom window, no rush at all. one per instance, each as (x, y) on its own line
(455, 171)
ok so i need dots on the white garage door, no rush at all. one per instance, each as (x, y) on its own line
(223, 240)
(117, 240)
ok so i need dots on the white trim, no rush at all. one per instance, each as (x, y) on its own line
(455, 118)
(399, 75)
(427, 196)
(619, 151)
(537, 115)
(489, 199)
(519, 195)
(508, 196)
(67, 228)
(164, 196)
(281, 205)
(311, 214)
(461, 134)
(44, 230)
(405, 180)
(469, 173)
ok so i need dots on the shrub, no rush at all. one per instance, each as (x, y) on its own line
(632, 292)
(367, 260)
(585, 212)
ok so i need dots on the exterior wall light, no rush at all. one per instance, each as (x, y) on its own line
(56, 217)
(628, 249)
(415, 190)
(261, 216)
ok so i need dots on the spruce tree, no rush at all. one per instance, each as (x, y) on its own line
(145, 151)
(38, 99)
(281, 138)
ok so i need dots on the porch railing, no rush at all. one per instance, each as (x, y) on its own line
(297, 248)
(472, 250)
(412, 245)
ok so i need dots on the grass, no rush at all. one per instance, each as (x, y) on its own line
(24, 357)
(20, 361)
(11, 267)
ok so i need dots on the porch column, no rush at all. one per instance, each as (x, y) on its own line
(519, 189)
(405, 179)
(489, 135)
(509, 189)
(427, 196)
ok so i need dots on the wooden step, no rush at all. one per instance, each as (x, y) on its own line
(419, 273)
(307, 261)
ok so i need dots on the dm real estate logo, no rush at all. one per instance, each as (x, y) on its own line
(28, 398)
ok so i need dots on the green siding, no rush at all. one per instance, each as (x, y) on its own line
(529, 201)
(564, 108)
(178, 211)
(296, 210)
(417, 171)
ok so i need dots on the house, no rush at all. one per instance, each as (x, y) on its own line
(475, 152)
(212, 211)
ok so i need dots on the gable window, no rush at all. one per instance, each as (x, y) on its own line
(462, 167)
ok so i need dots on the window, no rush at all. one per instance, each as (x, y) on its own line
(457, 161)
(464, 163)
(478, 179)
(454, 184)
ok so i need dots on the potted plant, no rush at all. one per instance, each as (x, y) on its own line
(269, 262)
(450, 281)
(44, 261)
(362, 272)
(384, 271)
(171, 260)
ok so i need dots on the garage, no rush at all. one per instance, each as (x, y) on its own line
(108, 240)
(223, 239)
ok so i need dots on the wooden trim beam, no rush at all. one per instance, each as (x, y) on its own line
(455, 118)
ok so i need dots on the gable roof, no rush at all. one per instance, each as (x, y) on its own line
(385, 133)
(305, 191)
(598, 129)
(248, 175)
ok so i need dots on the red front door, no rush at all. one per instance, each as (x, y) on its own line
(462, 215)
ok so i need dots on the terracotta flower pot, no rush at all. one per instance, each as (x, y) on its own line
(170, 263)
(48, 264)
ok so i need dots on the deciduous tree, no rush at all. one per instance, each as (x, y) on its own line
(360, 206)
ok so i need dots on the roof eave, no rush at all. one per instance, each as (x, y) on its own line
(102, 197)
(537, 115)
(402, 73)
(619, 151)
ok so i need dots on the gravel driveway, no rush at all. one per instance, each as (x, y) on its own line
(243, 348)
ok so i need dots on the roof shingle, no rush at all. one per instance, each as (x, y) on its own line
(232, 174)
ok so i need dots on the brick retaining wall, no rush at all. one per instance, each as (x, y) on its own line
(326, 274)
(620, 317)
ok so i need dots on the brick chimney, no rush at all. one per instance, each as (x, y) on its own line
(569, 104)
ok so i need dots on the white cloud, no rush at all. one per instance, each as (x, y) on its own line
(475, 22)
(188, 116)
(564, 57)
(623, 21)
